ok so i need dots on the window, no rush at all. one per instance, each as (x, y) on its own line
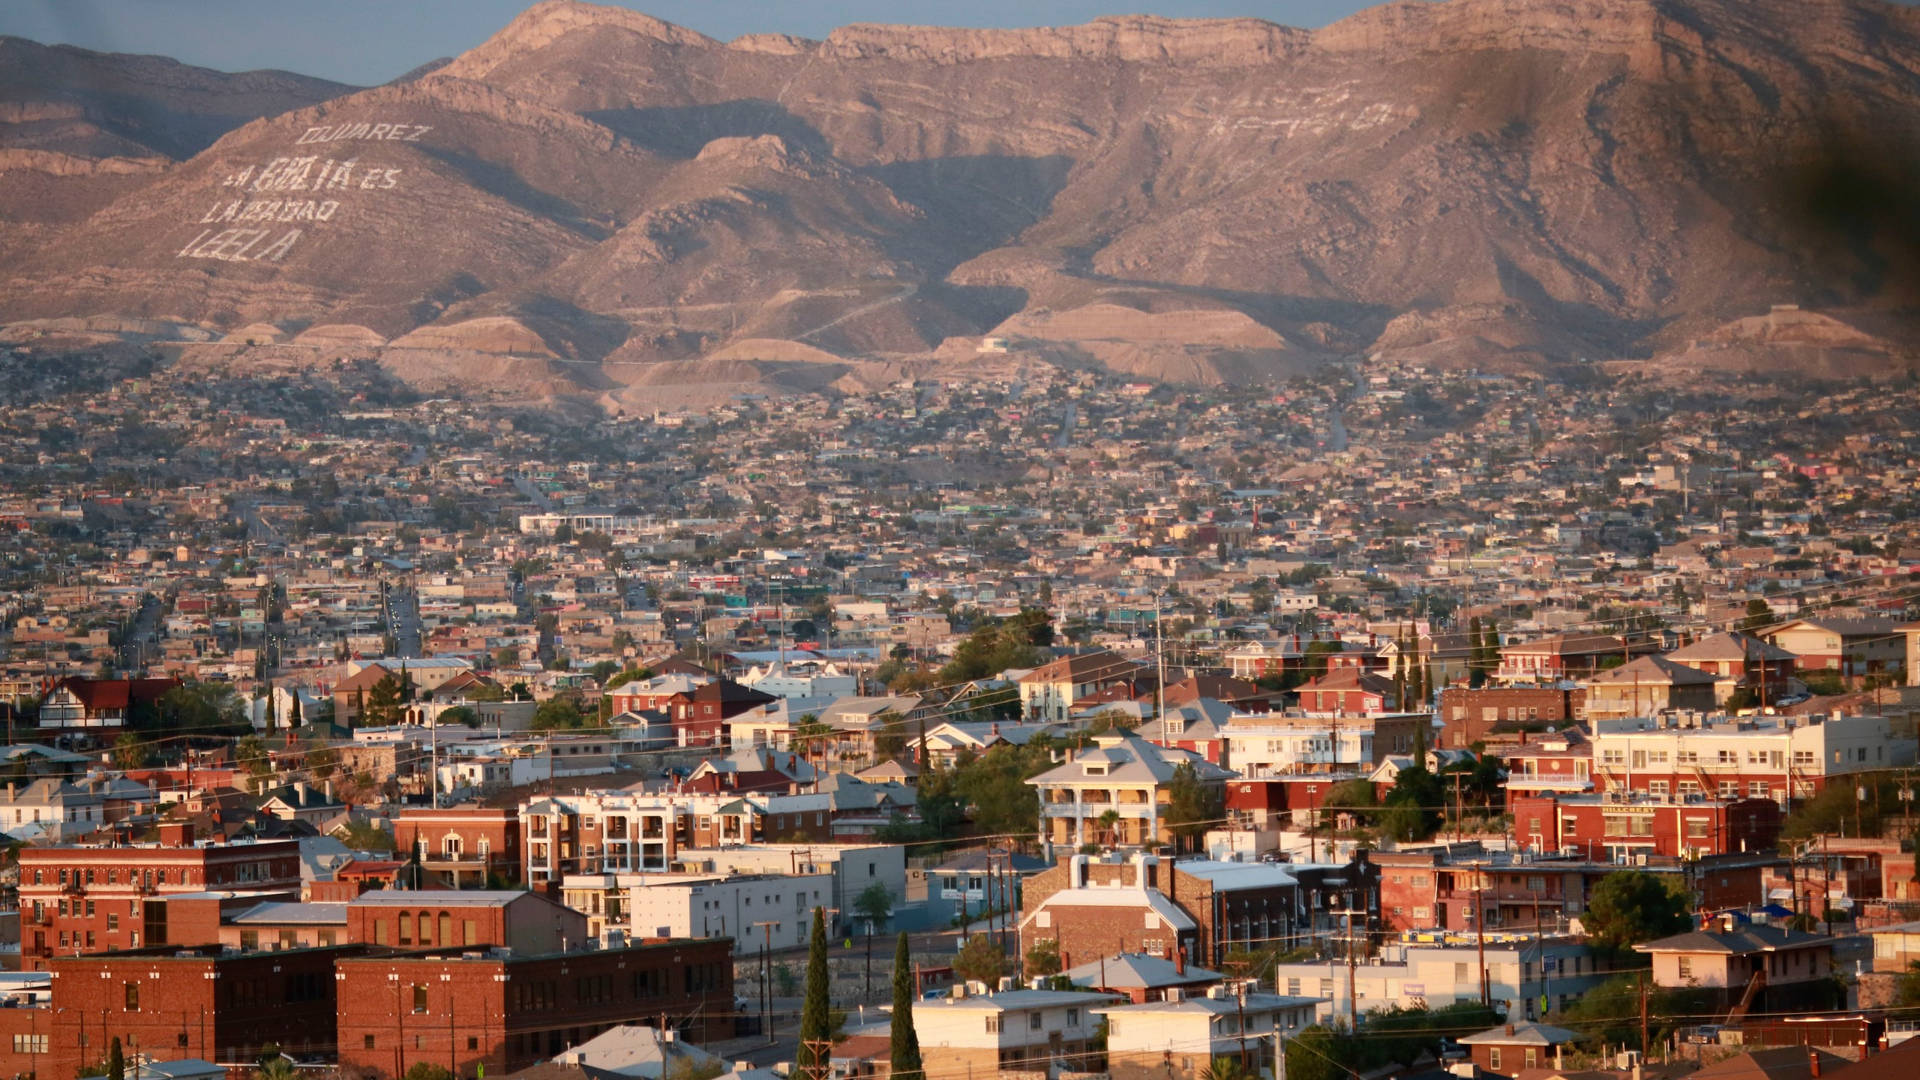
(132, 991)
(1757, 788)
(1696, 828)
(366, 1042)
(1493, 1058)
(1657, 787)
(472, 932)
(1033, 1022)
(419, 998)
(29, 1044)
(113, 920)
(1686, 967)
(1073, 1017)
(993, 1025)
(406, 928)
(380, 931)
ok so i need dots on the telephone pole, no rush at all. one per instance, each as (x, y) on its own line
(1480, 937)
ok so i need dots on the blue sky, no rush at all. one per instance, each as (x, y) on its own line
(370, 41)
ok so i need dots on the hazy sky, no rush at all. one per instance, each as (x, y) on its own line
(371, 41)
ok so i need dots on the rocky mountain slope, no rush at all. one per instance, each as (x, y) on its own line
(598, 202)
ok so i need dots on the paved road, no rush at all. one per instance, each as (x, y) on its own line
(403, 621)
(142, 635)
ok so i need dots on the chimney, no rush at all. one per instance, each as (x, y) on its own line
(300, 792)
(329, 791)
(1813, 1063)
(1179, 959)
(1509, 1029)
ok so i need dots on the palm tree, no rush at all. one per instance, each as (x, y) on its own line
(1110, 825)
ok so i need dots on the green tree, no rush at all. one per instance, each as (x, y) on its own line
(1227, 1068)
(1476, 655)
(250, 753)
(980, 960)
(1193, 805)
(1412, 808)
(506, 656)
(459, 714)
(116, 1061)
(905, 1049)
(1629, 907)
(1043, 958)
(129, 751)
(383, 702)
(1315, 1054)
(276, 1067)
(816, 1021)
(1759, 615)
(427, 1070)
(875, 905)
(557, 714)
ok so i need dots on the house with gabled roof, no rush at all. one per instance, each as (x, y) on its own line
(1844, 646)
(1122, 774)
(1649, 684)
(1050, 691)
(1739, 661)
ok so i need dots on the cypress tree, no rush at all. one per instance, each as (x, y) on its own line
(1492, 649)
(1476, 655)
(905, 1055)
(116, 1061)
(815, 1023)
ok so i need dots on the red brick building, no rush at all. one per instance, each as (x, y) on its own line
(194, 1002)
(1622, 826)
(1347, 691)
(698, 705)
(468, 918)
(462, 1009)
(1162, 907)
(77, 900)
(463, 846)
(1469, 716)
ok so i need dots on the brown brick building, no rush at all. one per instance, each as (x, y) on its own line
(468, 918)
(1469, 716)
(194, 1002)
(1202, 908)
(460, 1009)
(463, 846)
(77, 900)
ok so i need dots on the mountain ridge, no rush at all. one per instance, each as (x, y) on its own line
(1507, 183)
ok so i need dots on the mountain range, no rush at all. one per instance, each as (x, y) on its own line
(598, 203)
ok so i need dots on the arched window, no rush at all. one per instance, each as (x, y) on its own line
(426, 928)
(446, 929)
(406, 928)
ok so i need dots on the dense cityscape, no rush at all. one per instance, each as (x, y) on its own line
(1388, 713)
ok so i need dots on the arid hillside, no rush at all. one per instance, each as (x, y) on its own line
(598, 202)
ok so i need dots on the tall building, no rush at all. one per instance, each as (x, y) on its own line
(76, 900)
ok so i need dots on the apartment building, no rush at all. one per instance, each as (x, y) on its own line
(1782, 758)
(76, 900)
(772, 911)
(1271, 744)
(498, 1010)
(1010, 1030)
(463, 846)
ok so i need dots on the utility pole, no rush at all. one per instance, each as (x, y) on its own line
(1643, 1015)
(1353, 1001)
(766, 980)
(1160, 678)
(1480, 936)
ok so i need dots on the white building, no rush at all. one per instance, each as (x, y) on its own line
(1422, 976)
(802, 679)
(1271, 745)
(984, 1033)
(1181, 1035)
(756, 910)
